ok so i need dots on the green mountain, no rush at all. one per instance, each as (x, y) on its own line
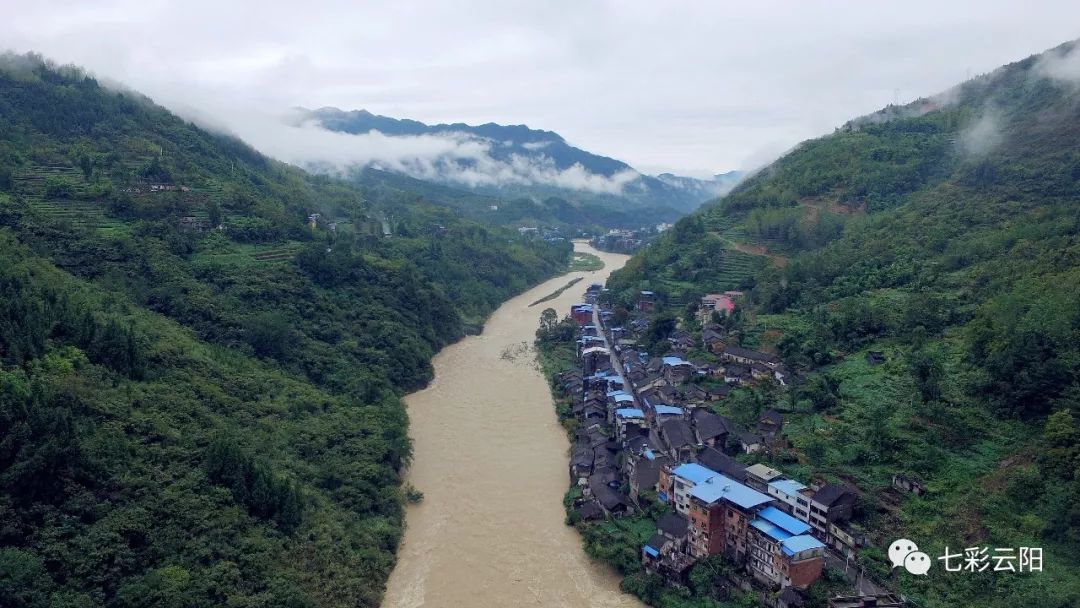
(568, 217)
(946, 234)
(202, 352)
(528, 165)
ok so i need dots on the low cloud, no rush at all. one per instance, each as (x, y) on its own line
(536, 145)
(1061, 64)
(982, 135)
(451, 157)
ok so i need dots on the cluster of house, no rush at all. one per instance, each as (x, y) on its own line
(723, 303)
(646, 432)
(154, 188)
(621, 241)
(550, 235)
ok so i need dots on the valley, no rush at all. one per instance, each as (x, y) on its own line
(358, 360)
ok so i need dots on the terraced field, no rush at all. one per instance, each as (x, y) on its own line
(82, 214)
(277, 254)
(737, 266)
(253, 254)
(729, 271)
(34, 180)
(726, 227)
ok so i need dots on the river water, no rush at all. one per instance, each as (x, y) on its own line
(491, 459)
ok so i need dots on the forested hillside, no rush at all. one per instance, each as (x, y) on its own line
(202, 352)
(570, 218)
(946, 234)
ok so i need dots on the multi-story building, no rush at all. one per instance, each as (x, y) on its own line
(831, 503)
(720, 510)
(681, 480)
(781, 551)
(759, 476)
(791, 497)
(582, 313)
(646, 301)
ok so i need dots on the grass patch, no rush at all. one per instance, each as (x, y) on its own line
(585, 262)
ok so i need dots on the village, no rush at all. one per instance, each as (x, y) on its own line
(647, 431)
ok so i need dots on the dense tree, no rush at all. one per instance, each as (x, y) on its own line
(194, 417)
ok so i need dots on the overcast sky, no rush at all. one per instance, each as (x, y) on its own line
(691, 87)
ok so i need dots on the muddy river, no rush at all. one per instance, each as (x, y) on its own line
(491, 460)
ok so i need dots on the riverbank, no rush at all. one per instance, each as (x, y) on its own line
(614, 542)
(490, 458)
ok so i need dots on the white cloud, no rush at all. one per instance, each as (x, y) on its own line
(1061, 65)
(982, 135)
(536, 145)
(461, 158)
(696, 90)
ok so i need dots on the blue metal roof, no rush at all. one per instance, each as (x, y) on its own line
(694, 473)
(662, 410)
(787, 486)
(651, 551)
(772, 530)
(719, 486)
(785, 521)
(649, 454)
(675, 361)
(797, 544)
(647, 293)
(629, 412)
(621, 397)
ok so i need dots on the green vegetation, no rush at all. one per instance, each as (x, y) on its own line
(199, 385)
(585, 262)
(556, 351)
(959, 258)
(558, 292)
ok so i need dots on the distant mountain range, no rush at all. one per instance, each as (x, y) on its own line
(514, 161)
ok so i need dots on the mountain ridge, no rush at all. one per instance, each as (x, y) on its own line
(537, 159)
